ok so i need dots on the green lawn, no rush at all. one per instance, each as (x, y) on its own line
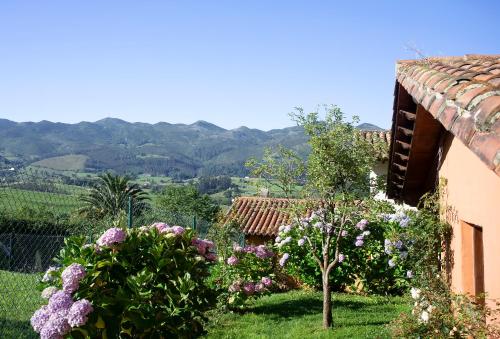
(298, 314)
(19, 298)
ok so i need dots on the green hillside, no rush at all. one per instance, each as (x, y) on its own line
(176, 150)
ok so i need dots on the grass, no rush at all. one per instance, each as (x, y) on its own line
(19, 298)
(11, 199)
(298, 314)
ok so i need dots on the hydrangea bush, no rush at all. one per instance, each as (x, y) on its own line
(145, 282)
(246, 274)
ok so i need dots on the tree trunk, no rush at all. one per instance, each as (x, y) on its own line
(327, 303)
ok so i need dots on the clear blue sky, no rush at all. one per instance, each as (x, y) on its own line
(232, 63)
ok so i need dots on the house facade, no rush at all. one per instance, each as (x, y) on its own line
(446, 132)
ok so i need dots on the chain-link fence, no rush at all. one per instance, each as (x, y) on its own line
(38, 209)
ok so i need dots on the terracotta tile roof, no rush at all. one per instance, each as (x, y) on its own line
(380, 139)
(463, 93)
(260, 216)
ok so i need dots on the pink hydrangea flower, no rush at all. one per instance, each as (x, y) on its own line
(266, 281)
(77, 315)
(259, 287)
(361, 225)
(232, 260)
(71, 277)
(237, 248)
(234, 287)
(112, 236)
(341, 257)
(178, 230)
(249, 288)
(359, 243)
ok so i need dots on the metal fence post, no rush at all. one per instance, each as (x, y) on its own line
(194, 222)
(129, 212)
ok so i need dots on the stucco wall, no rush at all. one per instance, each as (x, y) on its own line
(472, 195)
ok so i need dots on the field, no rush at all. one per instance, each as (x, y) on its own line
(11, 199)
(70, 162)
(298, 314)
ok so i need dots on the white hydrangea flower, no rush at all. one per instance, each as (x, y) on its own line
(415, 293)
(424, 316)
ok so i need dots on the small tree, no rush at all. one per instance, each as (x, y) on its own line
(337, 178)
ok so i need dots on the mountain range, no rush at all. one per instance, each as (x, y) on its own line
(176, 150)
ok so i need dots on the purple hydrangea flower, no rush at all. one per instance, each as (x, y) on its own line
(341, 257)
(39, 318)
(404, 221)
(71, 277)
(278, 239)
(232, 260)
(301, 242)
(77, 315)
(266, 281)
(287, 228)
(360, 237)
(391, 263)
(359, 243)
(361, 225)
(284, 259)
(398, 244)
(263, 252)
(409, 274)
(60, 300)
(112, 236)
(237, 248)
(344, 233)
(56, 326)
(249, 288)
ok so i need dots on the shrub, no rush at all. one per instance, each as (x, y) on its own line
(246, 274)
(439, 313)
(146, 282)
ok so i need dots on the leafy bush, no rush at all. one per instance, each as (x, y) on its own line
(440, 313)
(246, 274)
(146, 282)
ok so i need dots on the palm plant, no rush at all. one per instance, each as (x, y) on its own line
(110, 197)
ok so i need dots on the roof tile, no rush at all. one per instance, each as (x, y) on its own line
(260, 216)
(470, 102)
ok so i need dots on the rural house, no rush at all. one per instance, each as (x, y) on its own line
(446, 131)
